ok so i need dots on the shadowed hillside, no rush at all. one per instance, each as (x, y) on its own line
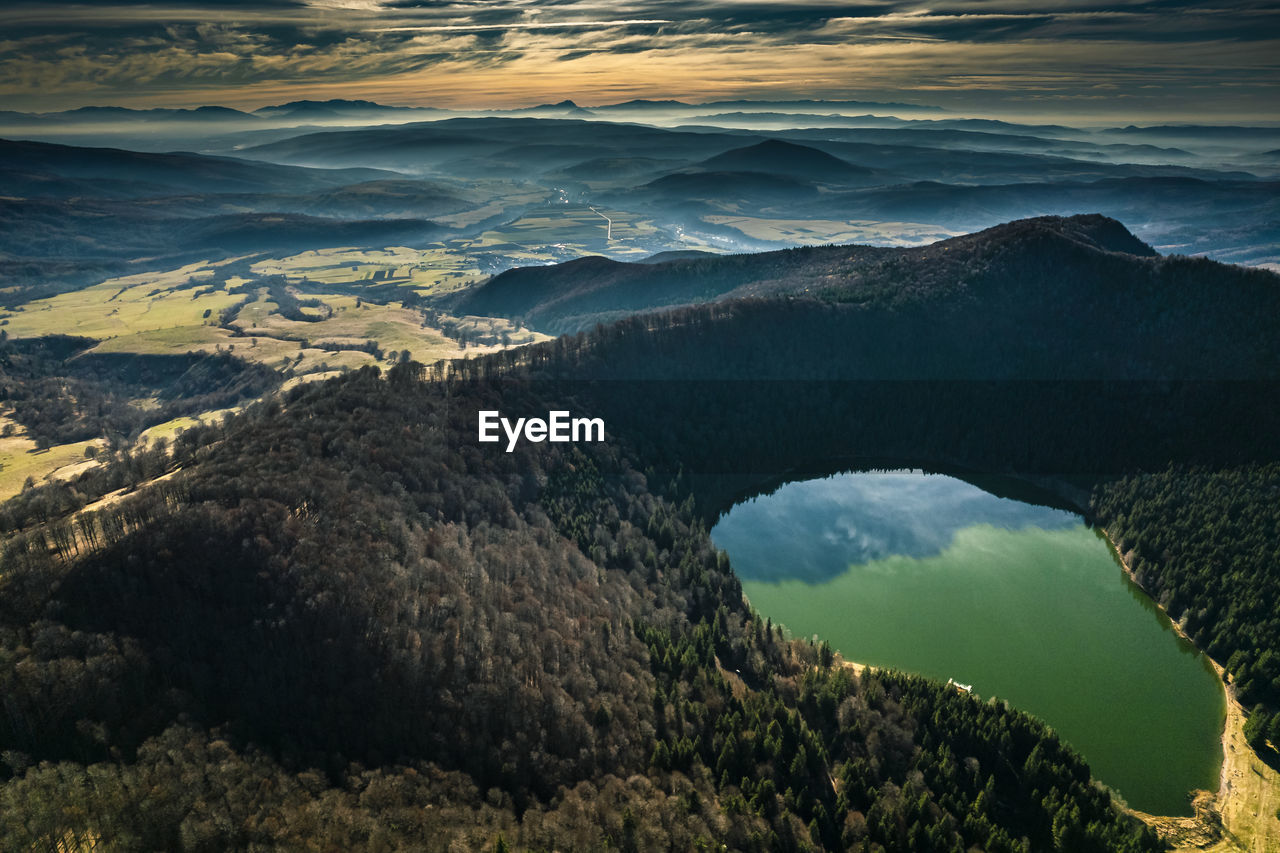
(345, 621)
(1036, 298)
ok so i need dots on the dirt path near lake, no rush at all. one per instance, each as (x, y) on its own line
(1241, 816)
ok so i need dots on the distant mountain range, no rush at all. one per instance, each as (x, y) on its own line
(738, 188)
(293, 111)
(337, 110)
(360, 109)
(834, 113)
(756, 114)
(971, 157)
(100, 208)
(150, 174)
(778, 106)
(104, 115)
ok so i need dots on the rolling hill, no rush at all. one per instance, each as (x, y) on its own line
(71, 215)
(173, 173)
(779, 157)
(427, 145)
(577, 294)
(1232, 220)
(79, 229)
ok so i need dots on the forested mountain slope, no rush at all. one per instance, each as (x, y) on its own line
(60, 392)
(1082, 284)
(345, 624)
(1205, 541)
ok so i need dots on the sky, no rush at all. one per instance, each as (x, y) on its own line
(1163, 59)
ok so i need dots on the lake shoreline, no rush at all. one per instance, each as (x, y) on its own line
(1241, 814)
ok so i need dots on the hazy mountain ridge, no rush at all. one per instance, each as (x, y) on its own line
(335, 108)
(688, 178)
(727, 189)
(179, 172)
(100, 209)
(427, 144)
(90, 230)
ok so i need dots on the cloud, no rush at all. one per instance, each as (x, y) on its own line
(519, 25)
(191, 52)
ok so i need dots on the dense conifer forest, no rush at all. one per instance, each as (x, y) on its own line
(348, 625)
(1205, 542)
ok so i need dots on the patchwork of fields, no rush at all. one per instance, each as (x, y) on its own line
(811, 231)
(348, 317)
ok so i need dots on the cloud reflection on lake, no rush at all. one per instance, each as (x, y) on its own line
(849, 519)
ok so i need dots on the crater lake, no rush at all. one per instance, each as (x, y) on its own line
(930, 574)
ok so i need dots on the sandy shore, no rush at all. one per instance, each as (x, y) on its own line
(1241, 815)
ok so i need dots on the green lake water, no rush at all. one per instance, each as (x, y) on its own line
(929, 574)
